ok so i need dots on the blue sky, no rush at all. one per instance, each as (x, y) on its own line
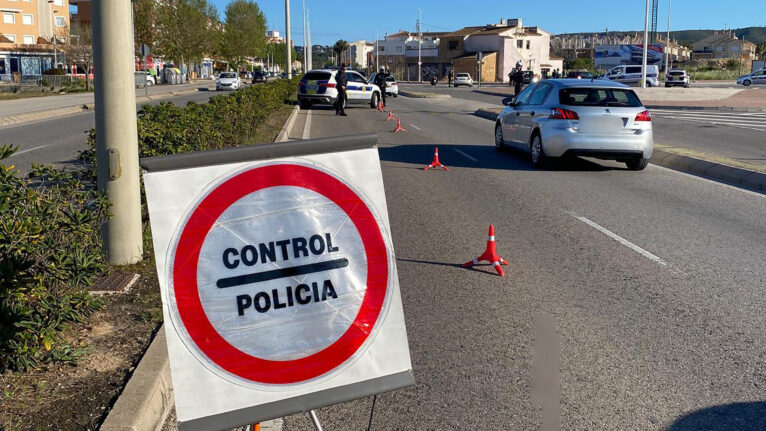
(557, 16)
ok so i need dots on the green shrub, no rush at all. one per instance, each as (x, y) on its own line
(49, 251)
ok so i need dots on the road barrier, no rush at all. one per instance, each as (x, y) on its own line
(489, 255)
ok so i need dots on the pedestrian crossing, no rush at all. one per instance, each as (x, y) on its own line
(741, 120)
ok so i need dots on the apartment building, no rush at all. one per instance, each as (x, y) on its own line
(358, 53)
(724, 45)
(26, 34)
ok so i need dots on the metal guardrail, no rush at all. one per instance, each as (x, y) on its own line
(44, 81)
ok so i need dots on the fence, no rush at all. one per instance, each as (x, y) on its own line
(43, 80)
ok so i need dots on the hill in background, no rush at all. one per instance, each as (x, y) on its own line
(752, 34)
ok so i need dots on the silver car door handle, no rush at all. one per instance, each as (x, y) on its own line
(533, 113)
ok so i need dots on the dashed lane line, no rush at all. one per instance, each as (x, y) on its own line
(620, 239)
(307, 125)
(416, 127)
(466, 155)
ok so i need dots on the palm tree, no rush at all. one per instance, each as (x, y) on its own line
(339, 48)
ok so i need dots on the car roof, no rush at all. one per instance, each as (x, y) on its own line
(585, 83)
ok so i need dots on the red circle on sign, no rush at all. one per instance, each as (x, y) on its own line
(187, 252)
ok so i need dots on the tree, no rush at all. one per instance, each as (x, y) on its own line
(277, 52)
(339, 48)
(78, 45)
(761, 50)
(581, 64)
(185, 30)
(145, 14)
(244, 32)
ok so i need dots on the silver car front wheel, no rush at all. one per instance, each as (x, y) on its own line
(499, 137)
(536, 150)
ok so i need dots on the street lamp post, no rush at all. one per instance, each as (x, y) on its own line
(646, 47)
(667, 44)
(53, 32)
(420, 44)
(288, 59)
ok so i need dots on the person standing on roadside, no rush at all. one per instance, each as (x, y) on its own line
(380, 80)
(341, 83)
(449, 78)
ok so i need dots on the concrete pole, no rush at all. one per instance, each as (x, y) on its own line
(667, 44)
(117, 137)
(304, 37)
(310, 60)
(646, 45)
(288, 54)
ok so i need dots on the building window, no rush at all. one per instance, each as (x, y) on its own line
(390, 59)
(382, 48)
(27, 1)
(453, 45)
(27, 19)
(519, 44)
(527, 44)
(11, 37)
(29, 39)
(60, 21)
(398, 49)
(9, 18)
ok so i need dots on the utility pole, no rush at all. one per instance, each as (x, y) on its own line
(117, 137)
(667, 44)
(53, 32)
(420, 44)
(377, 50)
(646, 45)
(288, 54)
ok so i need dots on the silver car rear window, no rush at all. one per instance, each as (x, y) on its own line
(599, 97)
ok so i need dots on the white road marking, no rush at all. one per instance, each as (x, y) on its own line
(749, 192)
(418, 128)
(621, 240)
(466, 155)
(29, 150)
(307, 125)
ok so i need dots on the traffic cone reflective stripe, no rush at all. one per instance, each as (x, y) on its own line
(436, 163)
(380, 106)
(390, 116)
(399, 127)
(490, 255)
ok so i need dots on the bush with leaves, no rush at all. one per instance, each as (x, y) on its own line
(50, 250)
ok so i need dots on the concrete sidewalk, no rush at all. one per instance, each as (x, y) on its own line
(43, 108)
(48, 103)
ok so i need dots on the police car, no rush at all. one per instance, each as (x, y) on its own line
(629, 74)
(320, 87)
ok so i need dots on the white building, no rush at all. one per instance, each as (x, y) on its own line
(358, 53)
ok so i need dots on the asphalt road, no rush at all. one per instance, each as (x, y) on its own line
(736, 135)
(58, 140)
(653, 280)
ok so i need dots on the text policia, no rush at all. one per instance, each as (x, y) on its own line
(287, 249)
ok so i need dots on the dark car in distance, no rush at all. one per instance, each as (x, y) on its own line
(258, 76)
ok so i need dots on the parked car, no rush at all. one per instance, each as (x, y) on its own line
(463, 79)
(677, 77)
(758, 77)
(571, 117)
(626, 74)
(148, 81)
(392, 88)
(228, 81)
(245, 75)
(258, 76)
(529, 77)
(319, 87)
(580, 74)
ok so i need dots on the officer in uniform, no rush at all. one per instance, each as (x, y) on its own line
(449, 78)
(380, 81)
(518, 79)
(341, 83)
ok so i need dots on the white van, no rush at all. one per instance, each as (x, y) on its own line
(627, 74)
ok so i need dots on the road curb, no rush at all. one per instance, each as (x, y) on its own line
(285, 132)
(687, 164)
(148, 397)
(420, 95)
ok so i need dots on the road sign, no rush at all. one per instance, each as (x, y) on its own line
(145, 50)
(279, 283)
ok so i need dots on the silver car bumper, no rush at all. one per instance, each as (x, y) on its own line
(558, 142)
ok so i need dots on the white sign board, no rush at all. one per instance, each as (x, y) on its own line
(279, 286)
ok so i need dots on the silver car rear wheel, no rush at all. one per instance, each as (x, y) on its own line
(746, 83)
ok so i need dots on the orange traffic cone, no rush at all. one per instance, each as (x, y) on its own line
(390, 116)
(399, 127)
(436, 163)
(489, 255)
(381, 108)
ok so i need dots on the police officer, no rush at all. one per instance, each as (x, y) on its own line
(380, 81)
(518, 79)
(449, 78)
(341, 83)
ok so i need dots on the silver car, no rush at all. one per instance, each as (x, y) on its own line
(571, 117)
